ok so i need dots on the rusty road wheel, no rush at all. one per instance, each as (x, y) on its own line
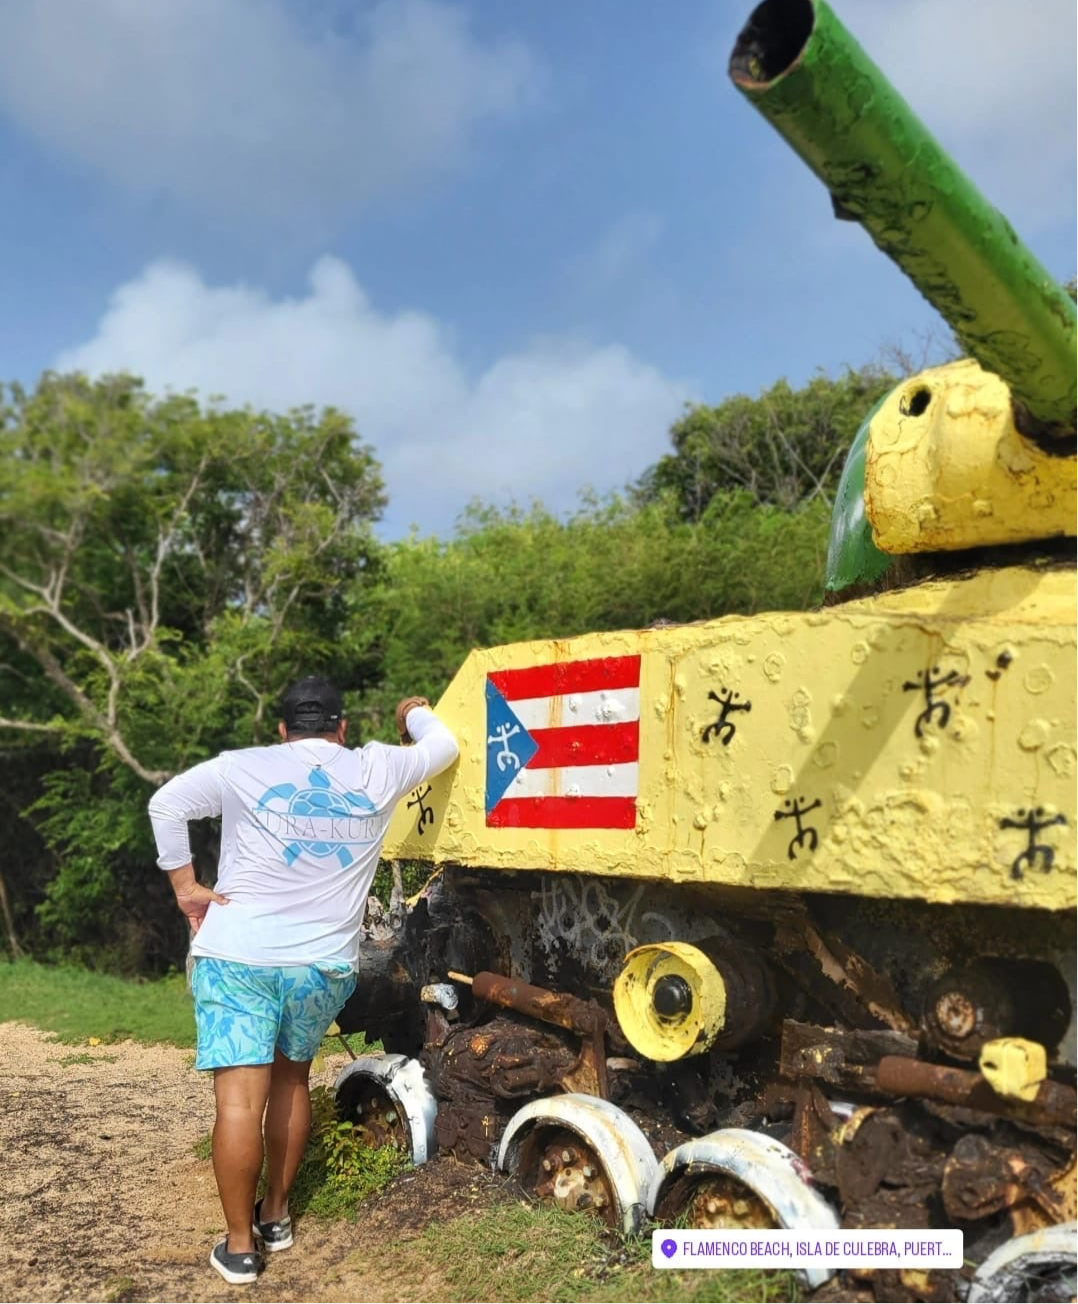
(557, 1165)
(713, 1201)
(584, 1154)
(375, 1116)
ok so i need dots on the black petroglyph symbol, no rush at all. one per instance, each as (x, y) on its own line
(929, 682)
(1033, 823)
(722, 728)
(426, 813)
(794, 810)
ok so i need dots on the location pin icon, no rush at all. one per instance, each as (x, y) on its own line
(669, 1248)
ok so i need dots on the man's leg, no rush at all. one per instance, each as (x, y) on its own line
(288, 1123)
(237, 1146)
(312, 1000)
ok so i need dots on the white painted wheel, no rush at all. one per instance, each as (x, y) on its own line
(583, 1153)
(1037, 1266)
(389, 1097)
(737, 1178)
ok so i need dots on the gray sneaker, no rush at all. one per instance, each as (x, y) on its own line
(236, 1268)
(275, 1235)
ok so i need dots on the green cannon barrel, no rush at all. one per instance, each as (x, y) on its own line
(807, 75)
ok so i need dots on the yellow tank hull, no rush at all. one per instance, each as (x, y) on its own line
(918, 744)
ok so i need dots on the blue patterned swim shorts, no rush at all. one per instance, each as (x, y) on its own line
(245, 1012)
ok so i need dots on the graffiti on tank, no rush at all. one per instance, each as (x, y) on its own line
(425, 813)
(586, 918)
(805, 833)
(1034, 822)
(722, 728)
(929, 682)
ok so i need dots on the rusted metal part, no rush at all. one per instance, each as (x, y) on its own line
(481, 1072)
(981, 1179)
(585, 1018)
(750, 990)
(736, 1177)
(839, 978)
(503, 1059)
(570, 1173)
(903, 1076)
(976, 1004)
(714, 1201)
(845, 967)
(468, 1129)
(558, 1008)
(841, 1059)
(1029, 1216)
(892, 1159)
(812, 1132)
(376, 1118)
(921, 1285)
(623, 1156)
(389, 1100)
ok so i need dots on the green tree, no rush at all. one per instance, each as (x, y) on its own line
(165, 569)
(519, 575)
(785, 447)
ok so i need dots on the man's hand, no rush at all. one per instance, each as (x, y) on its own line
(193, 897)
(403, 707)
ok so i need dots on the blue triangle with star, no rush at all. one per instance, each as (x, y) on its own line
(509, 746)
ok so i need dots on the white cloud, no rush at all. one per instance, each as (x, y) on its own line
(994, 82)
(242, 108)
(540, 423)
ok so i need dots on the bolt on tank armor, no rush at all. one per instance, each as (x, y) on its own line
(795, 892)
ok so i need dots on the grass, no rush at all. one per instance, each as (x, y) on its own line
(83, 1057)
(537, 1252)
(337, 1171)
(77, 1004)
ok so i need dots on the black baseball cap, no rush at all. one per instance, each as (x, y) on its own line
(312, 705)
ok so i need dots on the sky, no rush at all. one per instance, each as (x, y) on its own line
(512, 241)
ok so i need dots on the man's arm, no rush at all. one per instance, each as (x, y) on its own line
(193, 795)
(435, 747)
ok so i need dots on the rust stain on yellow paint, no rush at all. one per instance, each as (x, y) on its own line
(917, 744)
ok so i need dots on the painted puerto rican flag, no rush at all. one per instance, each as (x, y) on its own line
(563, 745)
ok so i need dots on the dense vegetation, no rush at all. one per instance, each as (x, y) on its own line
(166, 568)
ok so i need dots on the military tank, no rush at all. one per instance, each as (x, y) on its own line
(789, 899)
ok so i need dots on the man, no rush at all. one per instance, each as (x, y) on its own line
(276, 944)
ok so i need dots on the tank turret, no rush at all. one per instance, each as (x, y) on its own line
(974, 455)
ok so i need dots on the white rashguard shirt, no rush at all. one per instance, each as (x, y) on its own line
(302, 825)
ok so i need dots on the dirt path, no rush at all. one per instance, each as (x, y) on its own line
(103, 1198)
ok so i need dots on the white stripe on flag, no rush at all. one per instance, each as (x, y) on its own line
(578, 781)
(607, 706)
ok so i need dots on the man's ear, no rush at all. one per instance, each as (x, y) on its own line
(342, 729)
(282, 731)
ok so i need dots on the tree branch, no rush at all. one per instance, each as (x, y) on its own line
(9, 922)
(30, 725)
(104, 724)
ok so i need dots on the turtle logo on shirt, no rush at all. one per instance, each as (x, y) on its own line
(318, 820)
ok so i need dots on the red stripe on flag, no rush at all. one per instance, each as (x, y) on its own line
(563, 813)
(567, 677)
(585, 744)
